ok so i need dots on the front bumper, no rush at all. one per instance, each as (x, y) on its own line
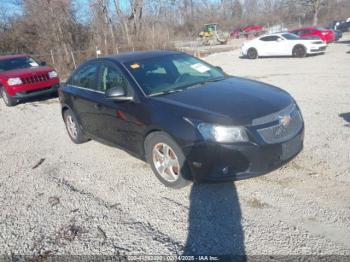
(317, 49)
(37, 92)
(228, 162)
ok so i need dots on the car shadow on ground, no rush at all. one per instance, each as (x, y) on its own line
(42, 98)
(346, 117)
(214, 223)
(267, 57)
(343, 42)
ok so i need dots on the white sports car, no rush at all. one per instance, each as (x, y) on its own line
(282, 44)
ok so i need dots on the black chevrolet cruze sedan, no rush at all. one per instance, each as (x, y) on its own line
(185, 117)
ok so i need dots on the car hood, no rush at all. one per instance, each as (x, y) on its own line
(26, 71)
(231, 101)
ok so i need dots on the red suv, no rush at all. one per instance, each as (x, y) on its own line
(325, 35)
(251, 29)
(23, 77)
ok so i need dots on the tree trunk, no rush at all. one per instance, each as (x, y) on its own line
(123, 21)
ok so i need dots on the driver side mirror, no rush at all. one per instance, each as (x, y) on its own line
(43, 63)
(279, 39)
(117, 93)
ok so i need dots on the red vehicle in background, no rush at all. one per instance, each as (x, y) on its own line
(254, 30)
(22, 77)
(325, 35)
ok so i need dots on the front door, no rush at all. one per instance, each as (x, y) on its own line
(116, 121)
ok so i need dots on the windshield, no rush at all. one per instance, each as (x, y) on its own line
(290, 36)
(17, 63)
(172, 73)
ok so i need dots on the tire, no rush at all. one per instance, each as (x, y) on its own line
(73, 127)
(8, 100)
(299, 51)
(174, 175)
(252, 53)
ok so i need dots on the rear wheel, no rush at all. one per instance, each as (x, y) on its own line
(299, 51)
(74, 130)
(8, 100)
(252, 53)
(167, 160)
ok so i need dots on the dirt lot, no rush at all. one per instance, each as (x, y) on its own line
(61, 198)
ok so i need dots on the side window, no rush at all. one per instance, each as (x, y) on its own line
(269, 38)
(111, 77)
(85, 77)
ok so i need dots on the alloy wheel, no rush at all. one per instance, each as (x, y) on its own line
(299, 51)
(166, 162)
(71, 126)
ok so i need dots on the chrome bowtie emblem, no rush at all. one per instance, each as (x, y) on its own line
(284, 120)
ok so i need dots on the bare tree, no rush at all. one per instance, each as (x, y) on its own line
(315, 7)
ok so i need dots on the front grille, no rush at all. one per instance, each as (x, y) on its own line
(35, 78)
(289, 125)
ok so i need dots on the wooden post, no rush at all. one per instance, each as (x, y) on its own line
(71, 53)
(52, 58)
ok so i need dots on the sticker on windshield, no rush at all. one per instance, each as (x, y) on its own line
(34, 64)
(200, 67)
(135, 66)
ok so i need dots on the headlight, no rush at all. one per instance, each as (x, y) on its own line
(14, 81)
(53, 74)
(223, 134)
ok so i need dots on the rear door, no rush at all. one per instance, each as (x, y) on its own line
(82, 87)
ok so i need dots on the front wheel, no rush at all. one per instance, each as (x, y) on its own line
(8, 100)
(167, 160)
(299, 51)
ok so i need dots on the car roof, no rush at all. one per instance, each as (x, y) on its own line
(6, 57)
(139, 55)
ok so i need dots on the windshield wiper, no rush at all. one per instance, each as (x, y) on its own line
(189, 86)
(201, 83)
(167, 92)
(212, 80)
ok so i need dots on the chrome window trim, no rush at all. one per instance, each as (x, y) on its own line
(84, 88)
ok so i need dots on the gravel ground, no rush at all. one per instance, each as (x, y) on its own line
(62, 198)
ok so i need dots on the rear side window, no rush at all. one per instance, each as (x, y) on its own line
(85, 77)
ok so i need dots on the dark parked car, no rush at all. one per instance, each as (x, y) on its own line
(338, 34)
(185, 117)
(343, 26)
